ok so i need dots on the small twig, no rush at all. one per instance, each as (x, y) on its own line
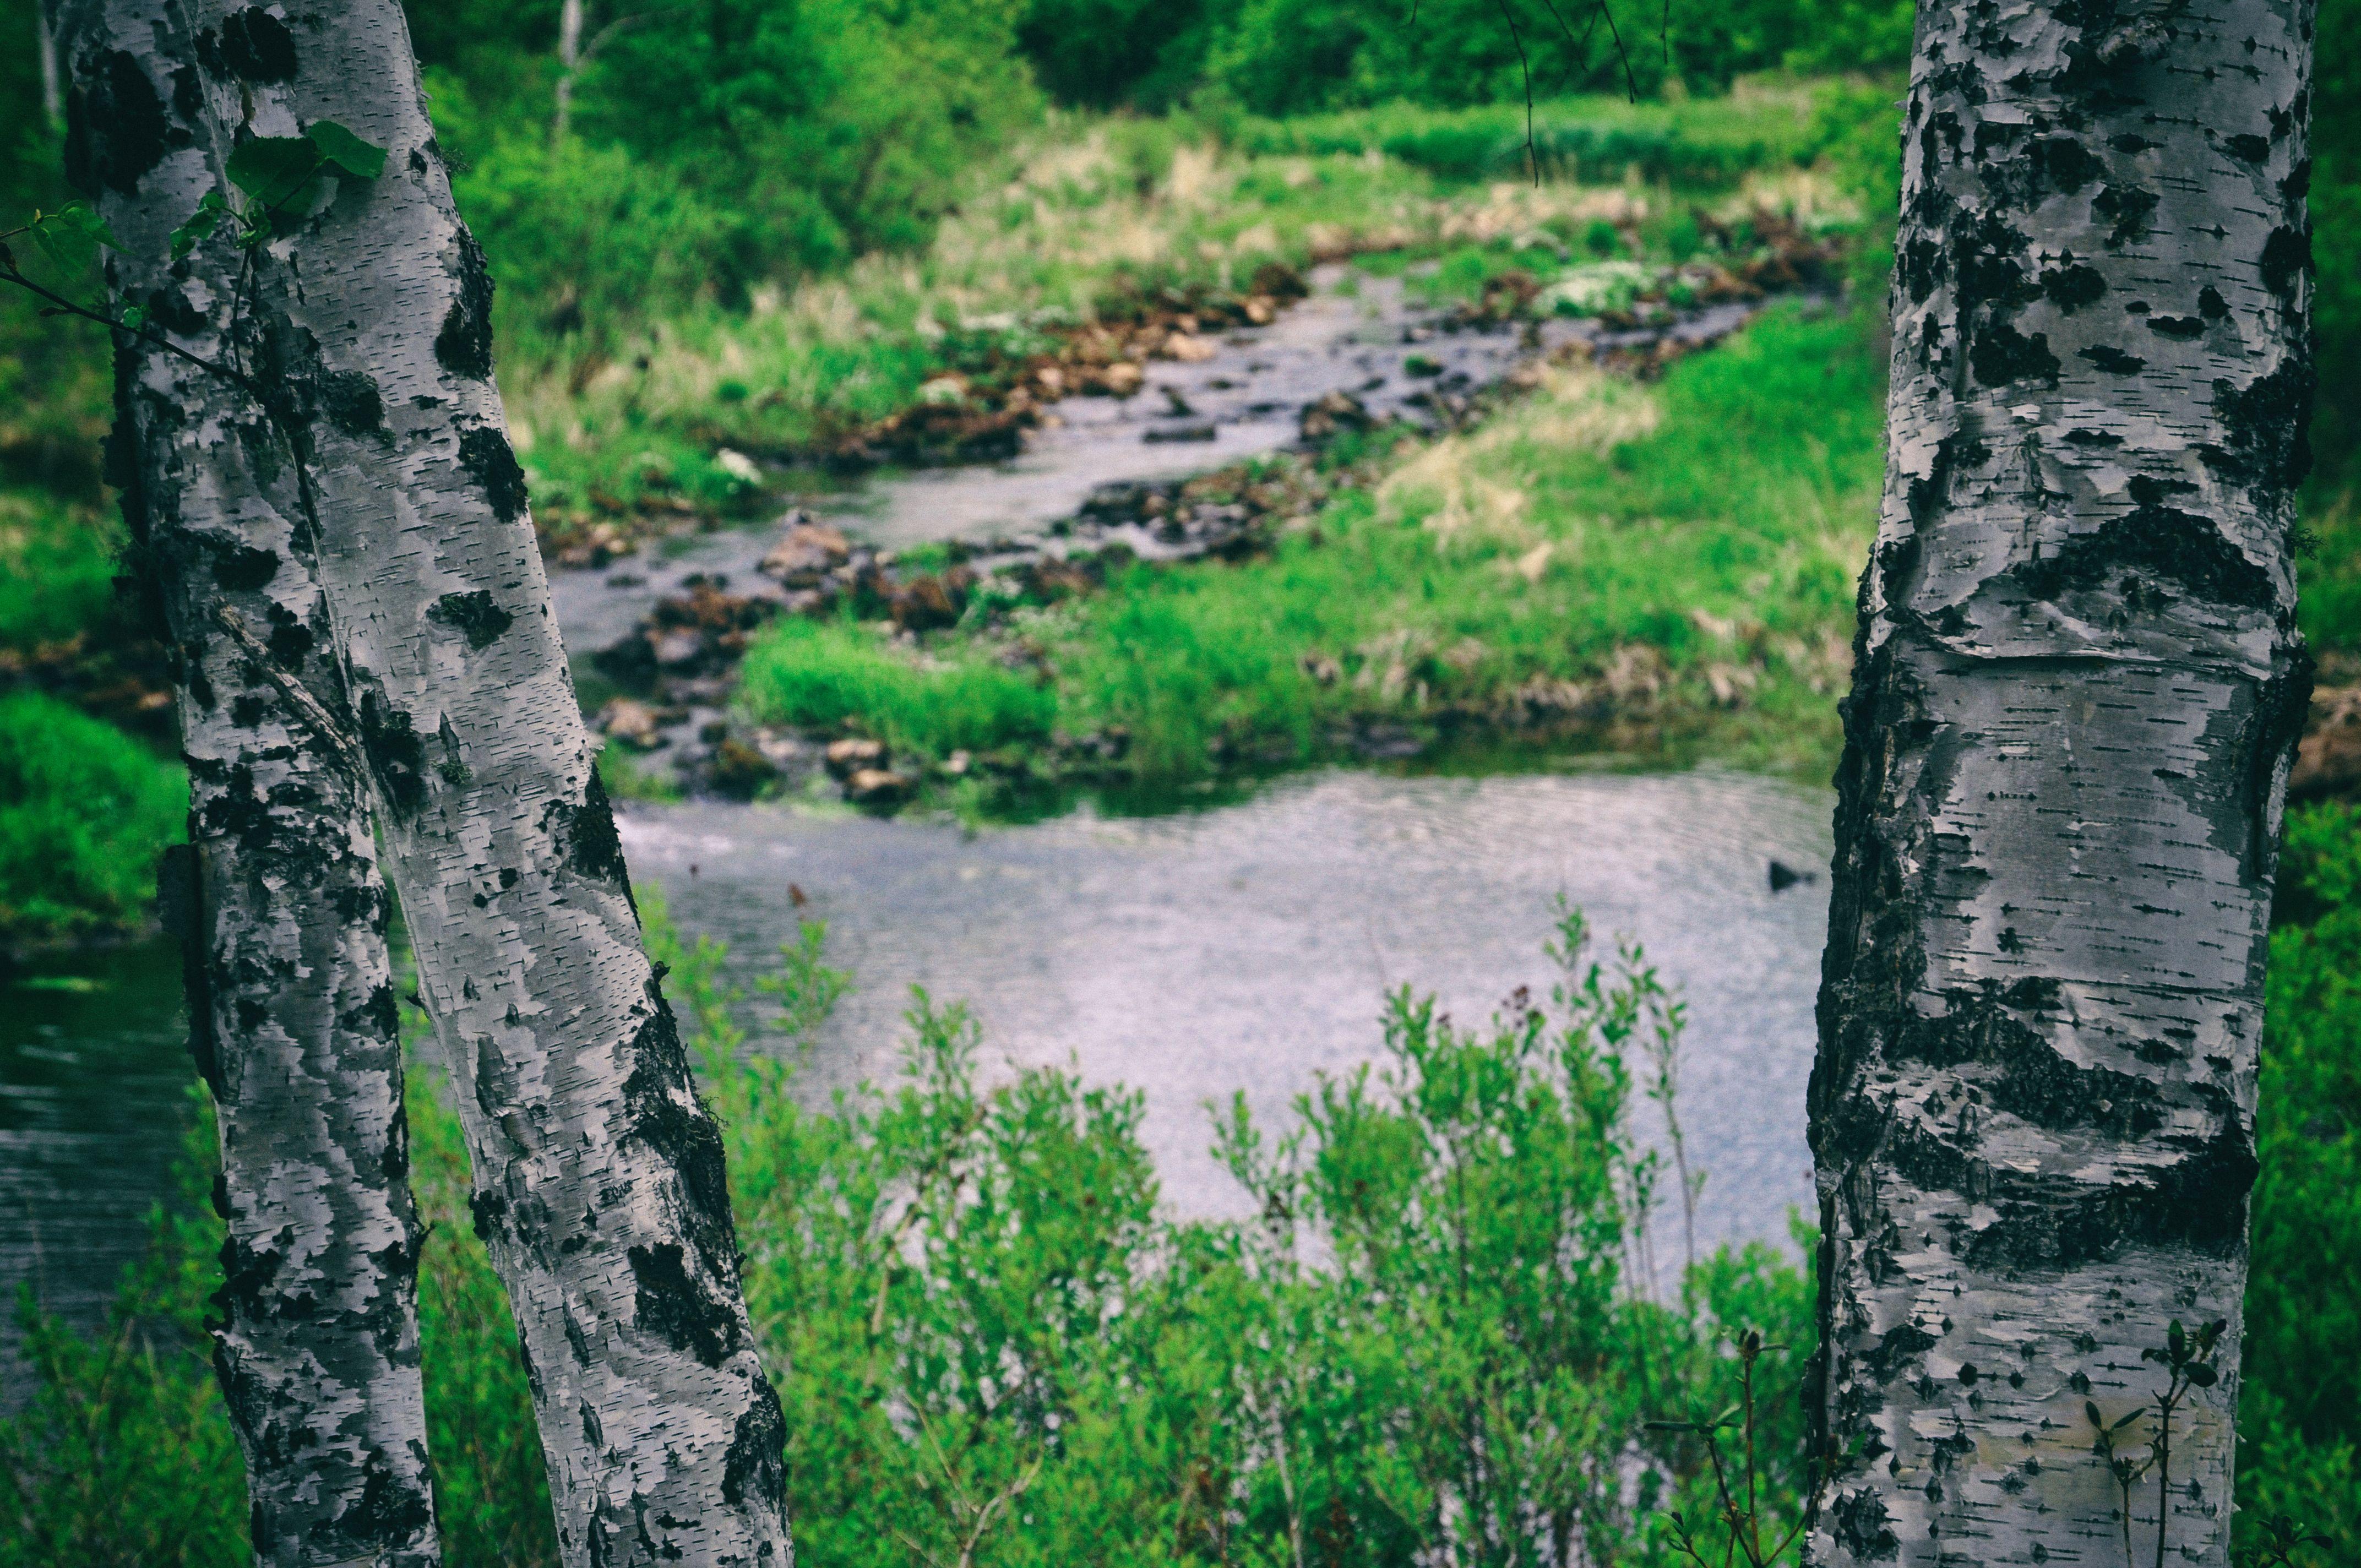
(1532, 153)
(1630, 82)
(61, 305)
(307, 708)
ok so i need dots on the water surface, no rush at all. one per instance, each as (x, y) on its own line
(1249, 947)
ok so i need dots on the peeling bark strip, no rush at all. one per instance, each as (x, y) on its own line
(598, 1173)
(278, 901)
(2075, 699)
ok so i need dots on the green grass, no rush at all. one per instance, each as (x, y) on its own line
(84, 811)
(818, 675)
(1707, 529)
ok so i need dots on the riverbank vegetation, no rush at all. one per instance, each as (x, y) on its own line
(1440, 1335)
(1631, 565)
(1435, 1338)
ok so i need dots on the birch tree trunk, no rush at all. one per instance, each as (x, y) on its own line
(598, 1173)
(569, 60)
(278, 903)
(2077, 689)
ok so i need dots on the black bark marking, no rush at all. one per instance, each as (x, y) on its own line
(352, 402)
(2127, 208)
(474, 615)
(255, 47)
(2029, 1080)
(2000, 354)
(489, 1213)
(387, 1514)
(188, 94)
(378, 1018)
(2074, 286)
(2062, 1222)
(2269, 425)
(2183, 328)
(396, 754)
(2157, 539)
(2112, 360)
(173, 312)
(1897, 1350)
(2282, 707)
(662, 1111)
(464, 346)
(2287, 260)
(117, 128)
(291, 642)
(181, 910)
(756, 1460)
(586, 840)
(1863, 1525)
(2066, 163)
(671, 1304)
(2252, 149)
(485, 452)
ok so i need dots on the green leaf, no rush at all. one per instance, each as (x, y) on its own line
(202, 223)
(279, 174)
(2090, 1410)
(75, 217)
(2202, 1375)
(347, 152)
(135, 317)
(268, 168)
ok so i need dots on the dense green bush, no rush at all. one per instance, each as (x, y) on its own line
(2299, 1417)
(1283, 57)
(84, 811)
(1429, 1344)
(1599, 139)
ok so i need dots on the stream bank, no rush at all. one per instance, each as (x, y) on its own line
(1221, 455)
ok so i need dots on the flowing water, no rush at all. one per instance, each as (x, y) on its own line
(1249, 947)
(1236, 946)
(1241, 947)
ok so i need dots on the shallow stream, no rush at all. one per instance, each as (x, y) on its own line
(1238, 947)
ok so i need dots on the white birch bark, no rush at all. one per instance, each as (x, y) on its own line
(278, 903)
(53, 97)
(569, 60)
(598, 1173)
(2077, 691)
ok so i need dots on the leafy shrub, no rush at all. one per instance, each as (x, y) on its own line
(84, 813)
(1701, 144)
(989, 1345)
(57, 569)
(2299, 1413)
